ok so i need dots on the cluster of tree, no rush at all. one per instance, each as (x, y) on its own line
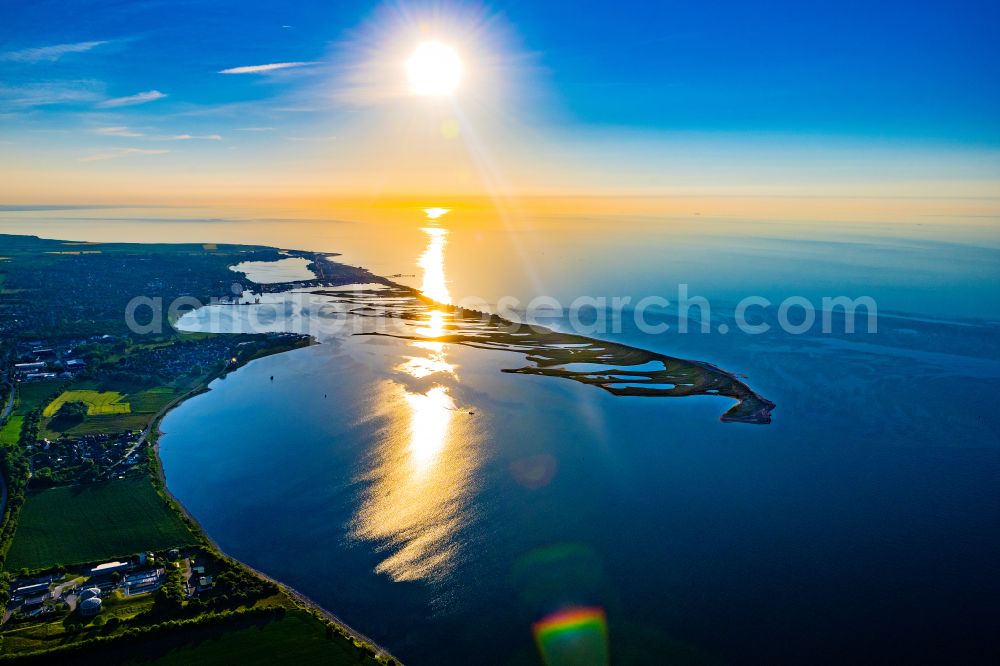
(233, 587)
(43, 478)
(242, 586)
(5, 580)
(69, 414)
(16, 468)
(73, 409)
(170, 596)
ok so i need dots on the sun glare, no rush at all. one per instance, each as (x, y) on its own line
(434, 69)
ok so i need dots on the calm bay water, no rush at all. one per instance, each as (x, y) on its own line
(443, 507)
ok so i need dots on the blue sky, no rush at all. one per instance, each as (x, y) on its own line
(913, 69)
(83, 83)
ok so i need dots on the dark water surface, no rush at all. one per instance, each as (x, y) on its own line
(826, 537)
(443, 507)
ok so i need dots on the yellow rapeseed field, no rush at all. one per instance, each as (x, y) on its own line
(97, 403)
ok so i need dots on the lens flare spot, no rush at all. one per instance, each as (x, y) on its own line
(573, 637)
(450, 129)
(534, 472)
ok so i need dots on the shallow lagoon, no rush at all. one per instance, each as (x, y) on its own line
(289, 269)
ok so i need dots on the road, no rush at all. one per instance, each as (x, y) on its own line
(132, 449)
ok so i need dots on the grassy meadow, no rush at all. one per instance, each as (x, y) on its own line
(33, 394)
(72, 524)
(11, 430)
(297, 637)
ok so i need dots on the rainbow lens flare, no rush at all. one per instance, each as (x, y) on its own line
(573, 637)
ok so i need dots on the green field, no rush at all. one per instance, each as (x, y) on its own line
(98, 403)
(110, 423)
(11, 431)
(33, 394)
(74, 524)
(152, 400)
(297, 638)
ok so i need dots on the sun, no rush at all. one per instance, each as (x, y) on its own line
(434, 69)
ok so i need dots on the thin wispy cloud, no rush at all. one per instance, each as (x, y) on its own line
(48, 53)
(203, 137)
(260, 69)
(121, 152)
(254, 129)
(132, 100)
(49, 93)
(120, 130)
(313, 139)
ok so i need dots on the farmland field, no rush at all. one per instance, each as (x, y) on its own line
(296, 638)
(33, 394)
(110, 423)
(152, 400)
(11, 431)
(73, 524)
(108, 402)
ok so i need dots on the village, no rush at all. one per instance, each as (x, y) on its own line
(85, 458)
(89, 402)
(104, 354)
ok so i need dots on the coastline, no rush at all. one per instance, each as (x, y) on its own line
(160, 481)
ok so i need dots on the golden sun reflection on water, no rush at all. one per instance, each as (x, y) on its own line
(417, 499)
(430, 416)
(432, 327)
(436, 361)
(432, 260)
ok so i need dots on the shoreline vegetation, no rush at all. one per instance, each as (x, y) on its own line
(155, 373)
